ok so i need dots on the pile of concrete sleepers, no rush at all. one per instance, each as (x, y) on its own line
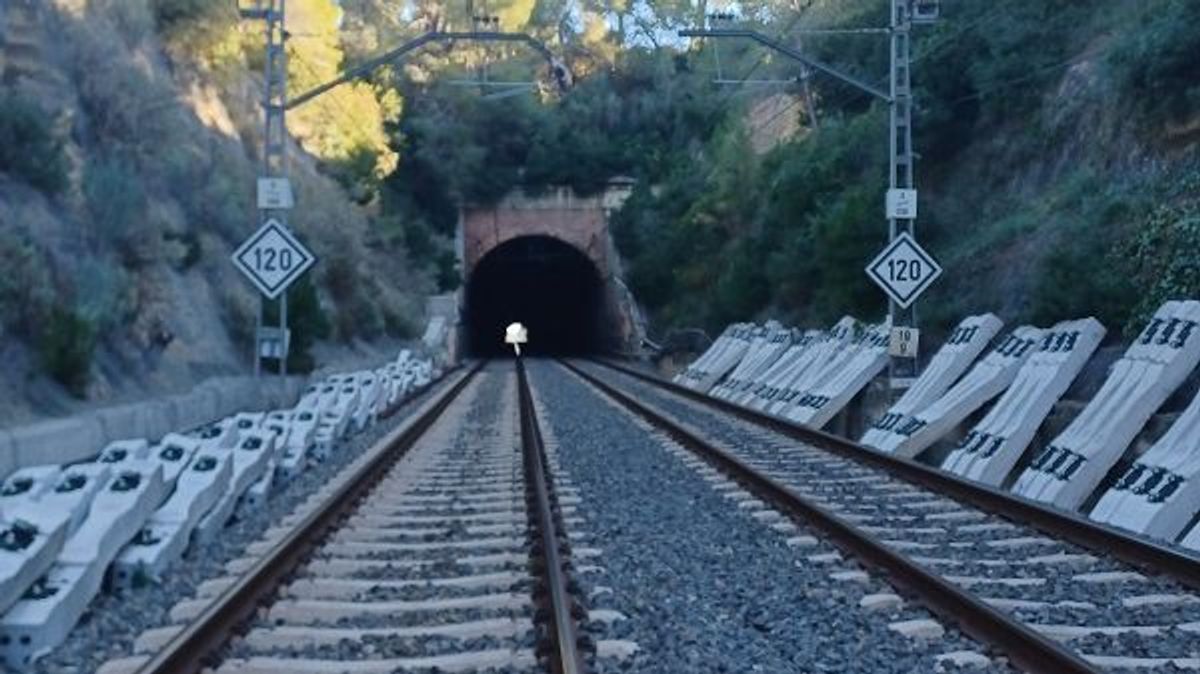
(990, 450)
(132, 510)
(807, 369)
(983, 382)
(1070, 468)
(810, 376)
(964, 345)
(720, 358)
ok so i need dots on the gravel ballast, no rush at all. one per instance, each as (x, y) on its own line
(703, 586)
(115, 617)
(959, 551)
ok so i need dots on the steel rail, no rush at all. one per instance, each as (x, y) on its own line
(197, 644)
(1094, 536)
(1025, 647)
(548, 560)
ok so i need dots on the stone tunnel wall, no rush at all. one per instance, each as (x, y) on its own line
(581, 222)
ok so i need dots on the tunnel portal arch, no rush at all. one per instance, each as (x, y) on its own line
(550, 286)
(563, 241)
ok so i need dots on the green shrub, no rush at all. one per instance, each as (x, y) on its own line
(1069, 285)
(28, 149)
(171, 13)
(66, 345)
(26, 289)
(117, 202)
(101, 293)
(400, 324)
(1157, 59)
(1163, 252)
(306, 320)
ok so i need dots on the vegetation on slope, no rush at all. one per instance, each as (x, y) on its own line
(1057, 162)
(130, 132)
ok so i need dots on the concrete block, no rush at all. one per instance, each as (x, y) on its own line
(221, 434)
(117, 513)
(292, 461)
(258, 493)
(250, 458)
(246, 421)
(165, 536)
(72, 495)
(300, 439)
(1067, 471)
(43, 618)
(961, 349)
(197, 489)
(150, 553)
(30, 541)
(174, 452)
(989, 451)
(834, 393)
(121, 451)
(817, 364)
(801, 342)
(57, 441)
(759, 357)
(989, 378)
(27, 485)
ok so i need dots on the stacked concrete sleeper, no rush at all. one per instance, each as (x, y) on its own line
(1026, 374)
(1070, 468)
(134, 509)
(961, 349)
(990, 450)
(762, 353)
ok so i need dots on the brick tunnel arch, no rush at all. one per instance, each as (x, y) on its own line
(549, 285)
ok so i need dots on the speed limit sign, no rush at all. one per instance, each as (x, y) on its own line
(904, 270)
(272, 258)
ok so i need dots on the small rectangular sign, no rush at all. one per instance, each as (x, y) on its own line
(275, 194)
(273, 342)
(902, 204)
(903, 342)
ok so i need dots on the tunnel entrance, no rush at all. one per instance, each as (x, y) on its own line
(549, 286)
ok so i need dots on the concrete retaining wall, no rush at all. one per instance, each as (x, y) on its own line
(82, 436)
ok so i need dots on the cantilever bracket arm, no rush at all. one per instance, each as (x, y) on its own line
(403, 50)
(793, 54)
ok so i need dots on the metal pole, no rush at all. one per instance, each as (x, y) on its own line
(274, 162)
(900, 170)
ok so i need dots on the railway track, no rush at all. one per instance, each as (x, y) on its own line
(441, 549)
(1049, 591)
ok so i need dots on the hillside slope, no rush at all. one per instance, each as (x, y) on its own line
(126, 179)
(1057, 166)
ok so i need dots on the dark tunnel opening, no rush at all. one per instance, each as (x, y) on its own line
(549, 286)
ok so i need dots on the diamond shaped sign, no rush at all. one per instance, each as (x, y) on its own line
(272, 258)
(904, 270)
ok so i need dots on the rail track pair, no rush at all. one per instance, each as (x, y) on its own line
(782, 480)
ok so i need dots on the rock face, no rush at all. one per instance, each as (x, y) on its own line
(159, 150)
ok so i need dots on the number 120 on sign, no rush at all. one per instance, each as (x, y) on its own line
(272, 259)
(904, 270)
